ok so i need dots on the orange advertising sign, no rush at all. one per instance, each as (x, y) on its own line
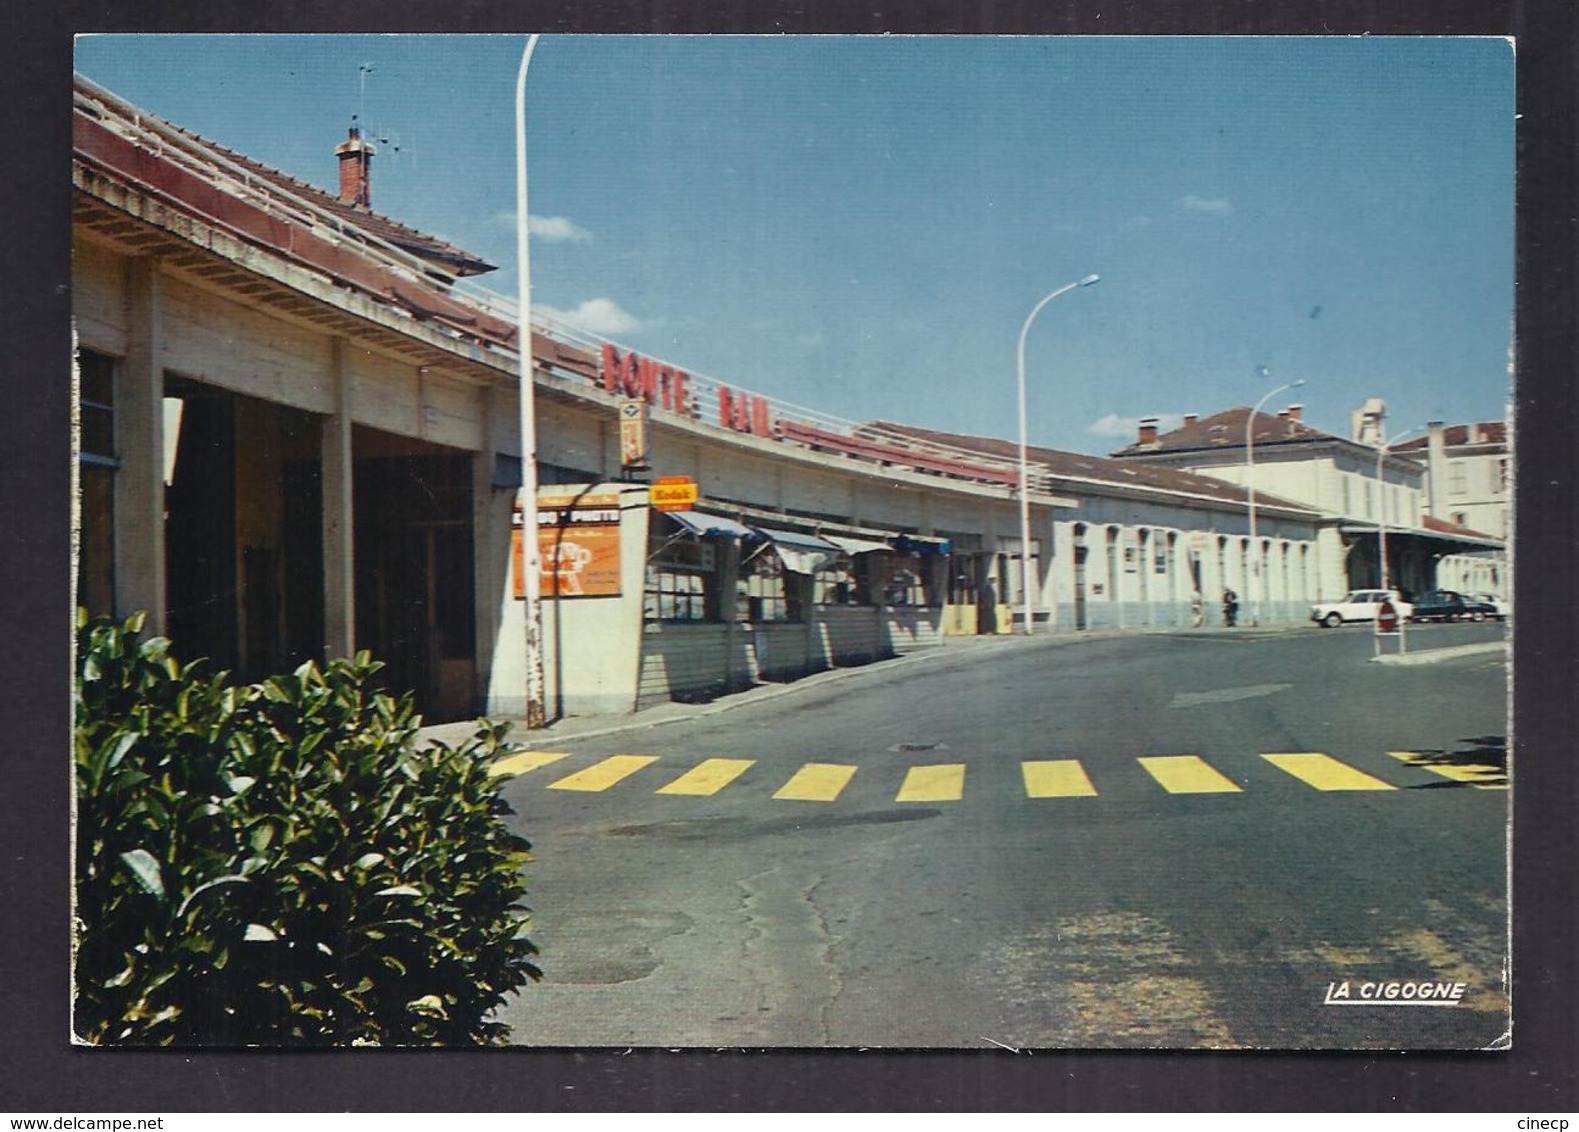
(578, 546)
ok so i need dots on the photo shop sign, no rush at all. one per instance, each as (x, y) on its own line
(578, 546)
(629, 375)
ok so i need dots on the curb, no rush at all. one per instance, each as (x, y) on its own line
(1431, 656)
(680, 713)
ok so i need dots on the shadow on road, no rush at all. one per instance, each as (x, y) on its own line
(1480, 761)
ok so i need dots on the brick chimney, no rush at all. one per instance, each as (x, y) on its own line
(356, 160)
(1148, 431)
(1191, 418)
(1296, 413)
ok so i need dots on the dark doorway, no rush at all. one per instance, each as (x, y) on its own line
(200, 527)
(415, 591)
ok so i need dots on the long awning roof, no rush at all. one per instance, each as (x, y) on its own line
(1465, 539)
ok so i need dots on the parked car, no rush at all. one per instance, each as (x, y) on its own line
(1502, 605)
(1449, 605)
(1357, 605)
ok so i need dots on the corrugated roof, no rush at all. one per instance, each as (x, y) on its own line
(1078, 466)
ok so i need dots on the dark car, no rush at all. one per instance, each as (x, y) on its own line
(1449, 605)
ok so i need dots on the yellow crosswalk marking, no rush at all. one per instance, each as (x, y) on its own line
(1056, 778)
(708, 777)
(1325, 772)
(1187, 774)
(1481, 776)
(524, 761)
(816, 782)
(602, 775)
(944, 782)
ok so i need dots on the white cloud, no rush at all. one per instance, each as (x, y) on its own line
(548, 229)
(596, 316)
(557, 229)
(1217, 206)
(1126, 427)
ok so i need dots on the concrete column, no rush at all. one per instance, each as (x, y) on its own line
(140, 441)
(339, 565)
(490, 537)
(1436, 470)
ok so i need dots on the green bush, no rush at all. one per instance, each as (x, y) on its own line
(280, 863)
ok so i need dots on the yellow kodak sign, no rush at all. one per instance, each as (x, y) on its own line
(673, 493)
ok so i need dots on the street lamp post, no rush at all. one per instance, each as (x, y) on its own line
(1256, 564)
(536, 716)
(1025, 484)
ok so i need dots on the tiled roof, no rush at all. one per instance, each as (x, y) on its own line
(1226, 430)
(449, 258)
(1077, 466)
(1440, 526)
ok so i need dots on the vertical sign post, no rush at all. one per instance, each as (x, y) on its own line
(634, 456)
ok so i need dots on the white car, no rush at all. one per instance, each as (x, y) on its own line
(1357, 605)
(1503, 606)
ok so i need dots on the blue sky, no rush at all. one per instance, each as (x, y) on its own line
(861, 224)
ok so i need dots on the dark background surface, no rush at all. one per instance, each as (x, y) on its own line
(42, 1073)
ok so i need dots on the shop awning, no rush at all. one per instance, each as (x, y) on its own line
(801, 553)
(921, 544)
(856, 545)
(700, 524)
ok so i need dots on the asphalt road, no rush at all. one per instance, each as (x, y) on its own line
(1001, 868)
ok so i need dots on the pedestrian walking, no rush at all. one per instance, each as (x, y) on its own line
(1230, 608)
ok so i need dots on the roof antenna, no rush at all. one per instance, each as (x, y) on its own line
(362, 71)
(372, 135)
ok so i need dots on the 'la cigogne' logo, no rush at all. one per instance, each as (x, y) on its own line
(1395, 992)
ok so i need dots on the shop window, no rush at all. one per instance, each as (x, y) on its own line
(96, 466)
(846, 581)
(905, 583)
(766, 592)
(682, 582)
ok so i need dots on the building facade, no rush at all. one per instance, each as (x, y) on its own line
(1468, 475)
(1375, 498)
(299, 438)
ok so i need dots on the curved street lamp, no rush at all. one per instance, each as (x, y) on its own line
(1025, 486)
(536, 716)
(1257, 565)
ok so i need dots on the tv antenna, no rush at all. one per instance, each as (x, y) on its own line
(360, 117)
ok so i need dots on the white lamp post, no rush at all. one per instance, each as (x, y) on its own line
(1250, 486)
(536, 716)
(1025, 485)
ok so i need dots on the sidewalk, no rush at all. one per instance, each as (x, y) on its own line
(952, 648)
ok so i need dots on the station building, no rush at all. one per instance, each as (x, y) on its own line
(1376, 499)
(299, 438)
